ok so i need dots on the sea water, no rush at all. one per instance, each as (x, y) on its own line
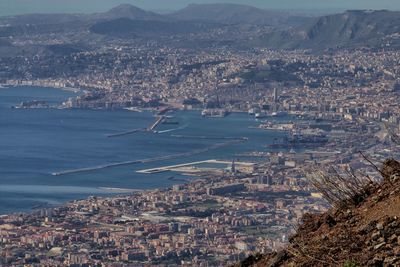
(35, 143)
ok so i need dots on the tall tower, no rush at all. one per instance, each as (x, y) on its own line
(233, 167)
(275, 95)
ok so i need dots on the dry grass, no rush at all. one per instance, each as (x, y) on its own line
(341, 187)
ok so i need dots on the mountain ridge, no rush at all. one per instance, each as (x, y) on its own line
(253, 27)
(131, 12)
(352, 28)
(227, 13)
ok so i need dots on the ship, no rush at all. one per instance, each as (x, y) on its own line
(302, 138)
(276, 127)
(134, 109)
(260, 115)
(214, 113)
(279, 114)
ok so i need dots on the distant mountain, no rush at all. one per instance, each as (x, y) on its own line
(285, 30)
(350, 29)
(233, 14)
(128, 28)
(62, 23)
(354, 28)
(130, 12)
(121, 11)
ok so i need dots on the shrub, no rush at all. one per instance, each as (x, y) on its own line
(341, 188)
(350, 263)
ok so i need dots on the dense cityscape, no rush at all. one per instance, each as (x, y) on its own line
(343, 104)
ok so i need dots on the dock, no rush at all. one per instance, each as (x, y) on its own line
(159, 120)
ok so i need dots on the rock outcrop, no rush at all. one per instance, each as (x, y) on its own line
(366, 234)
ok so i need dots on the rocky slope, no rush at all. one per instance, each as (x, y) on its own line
(356, 28)
(367, 234)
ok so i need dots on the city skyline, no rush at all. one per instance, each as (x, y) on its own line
(74, 6)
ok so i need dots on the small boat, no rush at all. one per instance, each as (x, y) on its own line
(260, 115)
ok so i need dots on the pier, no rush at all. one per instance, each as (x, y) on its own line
(159, 120)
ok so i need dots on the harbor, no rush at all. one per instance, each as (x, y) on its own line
(72, 147)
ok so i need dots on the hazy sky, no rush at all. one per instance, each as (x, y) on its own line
(10, 7)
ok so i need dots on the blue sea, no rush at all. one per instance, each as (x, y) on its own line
(34, 143)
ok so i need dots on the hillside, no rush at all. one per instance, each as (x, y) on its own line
(366, 234)
(236, 14)
(130, 12)
(354, 27)
(126, 28)
(121, 11)
(238, 26)
(349, 29)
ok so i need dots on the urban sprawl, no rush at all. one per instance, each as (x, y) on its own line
(345, 102)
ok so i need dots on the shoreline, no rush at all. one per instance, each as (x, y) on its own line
(121, 190)
(131, 109)
(67, 89)
(107, 192)
(127, 190)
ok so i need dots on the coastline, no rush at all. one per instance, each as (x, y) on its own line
(123, 189)
(67, 89)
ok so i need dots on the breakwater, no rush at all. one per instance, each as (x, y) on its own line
(208, 137)
(148, 160)
(127, 132)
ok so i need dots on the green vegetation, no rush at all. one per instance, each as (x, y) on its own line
(350, 263)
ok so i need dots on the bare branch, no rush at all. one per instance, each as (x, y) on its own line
(340, 188)
(392, 133)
